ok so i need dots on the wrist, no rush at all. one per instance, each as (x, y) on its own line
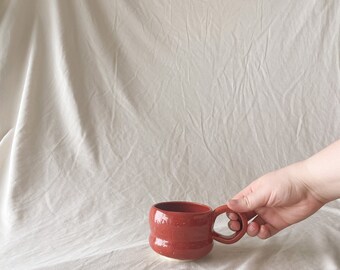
(320, 180)
(302, 176)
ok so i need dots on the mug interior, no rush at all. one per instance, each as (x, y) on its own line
(183, 207)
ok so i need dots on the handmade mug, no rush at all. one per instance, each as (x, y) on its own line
(185, 230)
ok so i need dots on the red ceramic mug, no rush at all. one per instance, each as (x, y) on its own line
(185, 230)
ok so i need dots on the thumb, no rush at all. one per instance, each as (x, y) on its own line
(249, 202)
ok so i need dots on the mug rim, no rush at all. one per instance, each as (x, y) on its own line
(207, 210)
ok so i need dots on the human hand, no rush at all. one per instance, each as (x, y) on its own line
(275, 201)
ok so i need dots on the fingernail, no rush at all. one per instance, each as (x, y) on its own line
(233, 202)
(251, 226)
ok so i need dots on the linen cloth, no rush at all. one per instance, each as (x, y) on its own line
(107, 107)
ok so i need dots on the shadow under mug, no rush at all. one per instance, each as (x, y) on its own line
(185, 230)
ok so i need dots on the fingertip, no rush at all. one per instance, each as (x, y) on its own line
(253, 229)
(234, 225)
(264, 232)
(233, 203)
(237, 205)
(233, 216)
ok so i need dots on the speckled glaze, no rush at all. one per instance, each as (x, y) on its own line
(184, 230)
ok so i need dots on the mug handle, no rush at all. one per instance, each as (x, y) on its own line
(231, 238)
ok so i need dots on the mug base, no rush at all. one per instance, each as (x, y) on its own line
(188, 254)
(175, 260)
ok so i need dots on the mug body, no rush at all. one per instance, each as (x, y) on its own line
(181, 230)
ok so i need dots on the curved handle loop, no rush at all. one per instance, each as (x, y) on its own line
(231, 238)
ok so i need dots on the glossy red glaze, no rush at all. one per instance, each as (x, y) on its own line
(184, 230)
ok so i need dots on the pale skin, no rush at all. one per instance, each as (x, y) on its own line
(289, 195)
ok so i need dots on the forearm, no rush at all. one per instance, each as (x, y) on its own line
(322, 173)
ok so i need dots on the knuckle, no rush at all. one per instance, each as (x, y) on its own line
(247, 202)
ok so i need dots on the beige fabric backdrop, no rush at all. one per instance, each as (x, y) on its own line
(107, 107)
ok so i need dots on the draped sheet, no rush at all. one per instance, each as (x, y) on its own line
(107, 107)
